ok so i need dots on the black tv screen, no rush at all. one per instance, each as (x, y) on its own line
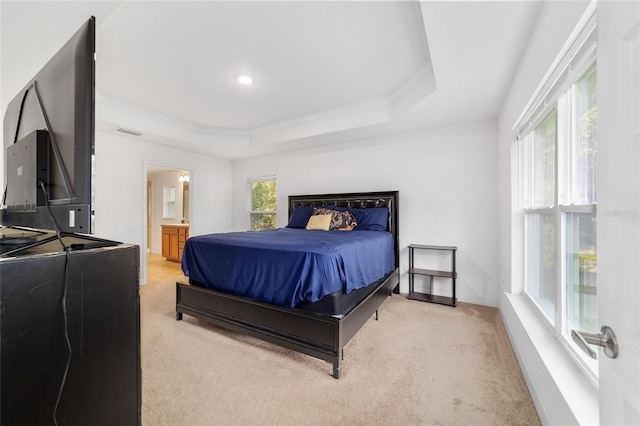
(49, 139)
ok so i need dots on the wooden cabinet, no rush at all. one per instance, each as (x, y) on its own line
(173, 239)
(451, 274)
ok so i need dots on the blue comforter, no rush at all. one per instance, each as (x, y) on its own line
(286, 266)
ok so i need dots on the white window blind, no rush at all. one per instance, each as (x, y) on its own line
(578, 55)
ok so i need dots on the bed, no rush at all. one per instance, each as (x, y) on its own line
(307, 320)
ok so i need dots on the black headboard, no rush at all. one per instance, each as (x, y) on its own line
(356, 200)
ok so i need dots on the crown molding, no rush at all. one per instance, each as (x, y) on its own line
(349, 117)
(412, 91)
(109, 108)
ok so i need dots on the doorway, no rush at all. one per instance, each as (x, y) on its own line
(168, 204)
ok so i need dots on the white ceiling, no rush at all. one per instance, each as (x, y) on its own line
(324, 72)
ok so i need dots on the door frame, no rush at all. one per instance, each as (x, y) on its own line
(169, 166)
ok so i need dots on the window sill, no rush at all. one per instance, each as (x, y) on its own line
(560, 391)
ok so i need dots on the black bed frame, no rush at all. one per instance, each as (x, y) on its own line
(323, 337)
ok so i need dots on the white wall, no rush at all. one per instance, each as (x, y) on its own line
(447, 180)
(562, 394)
(121, 189)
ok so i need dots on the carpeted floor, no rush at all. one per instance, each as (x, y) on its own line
(419, 364)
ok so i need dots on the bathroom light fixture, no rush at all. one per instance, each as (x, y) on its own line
(245, 79)
(184, 177)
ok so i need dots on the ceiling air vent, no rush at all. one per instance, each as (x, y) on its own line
(129, 131)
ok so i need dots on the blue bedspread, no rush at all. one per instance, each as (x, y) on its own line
(286, 266)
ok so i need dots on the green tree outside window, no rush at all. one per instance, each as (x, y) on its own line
(263, 205)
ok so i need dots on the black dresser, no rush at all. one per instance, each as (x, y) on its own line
(70, 332)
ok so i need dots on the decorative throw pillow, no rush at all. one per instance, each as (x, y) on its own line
(299, 217)
(319, 222)
(340, 220)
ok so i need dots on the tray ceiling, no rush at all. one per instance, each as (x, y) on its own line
(323, 72)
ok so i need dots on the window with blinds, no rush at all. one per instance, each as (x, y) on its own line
(557, 151)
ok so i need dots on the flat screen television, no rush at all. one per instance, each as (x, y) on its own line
(49, 143)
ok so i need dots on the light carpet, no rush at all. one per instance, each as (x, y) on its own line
(419, 364)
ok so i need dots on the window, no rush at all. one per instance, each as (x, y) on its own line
(169, 202)
(557, 146)
(262, 203)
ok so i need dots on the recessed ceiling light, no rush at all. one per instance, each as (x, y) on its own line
(245, 79)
